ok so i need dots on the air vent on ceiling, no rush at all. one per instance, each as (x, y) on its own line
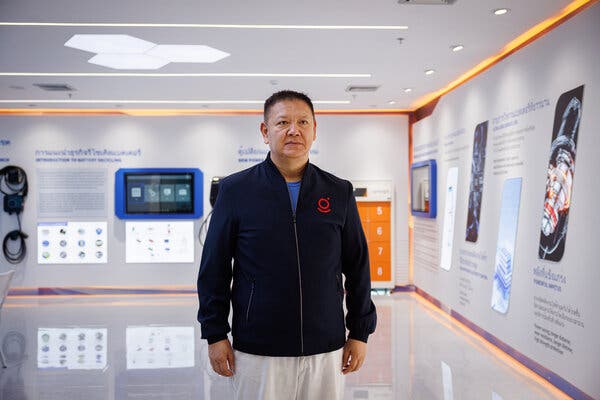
(55, 87)
(429, 2)
(361, 88)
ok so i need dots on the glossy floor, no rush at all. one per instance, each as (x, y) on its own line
(135, 347)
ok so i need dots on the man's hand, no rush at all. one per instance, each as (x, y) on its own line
(355, 352)
(221, 357)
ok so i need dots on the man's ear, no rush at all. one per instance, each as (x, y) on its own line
(265, 132)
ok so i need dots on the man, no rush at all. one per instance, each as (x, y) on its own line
(291, 230)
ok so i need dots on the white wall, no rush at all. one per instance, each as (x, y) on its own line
(562, 60)
(353, 147)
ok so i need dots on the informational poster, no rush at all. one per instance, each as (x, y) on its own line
(72, 348)
(449, 213)
(71, 192)
(561, 170)
(159, 242)
(476, 185)
(505, 249)
(447, 381)
(72, 242)
(158, 347)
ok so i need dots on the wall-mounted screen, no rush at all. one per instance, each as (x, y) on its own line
(423, 188)
(158, 193)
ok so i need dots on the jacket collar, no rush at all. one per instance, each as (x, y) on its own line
(275, 175)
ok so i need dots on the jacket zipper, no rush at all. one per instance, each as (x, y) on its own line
(299, 282)
(249, 303)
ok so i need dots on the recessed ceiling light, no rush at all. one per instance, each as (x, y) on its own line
(407, 90)
(187, 53)
(457, 47)
(429, 71)
(109, 44)
(500, 11)
(128, 61)
(391, 102)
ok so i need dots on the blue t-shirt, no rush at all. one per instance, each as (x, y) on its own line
(294, 189)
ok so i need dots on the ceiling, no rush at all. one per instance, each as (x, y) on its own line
(390, 63)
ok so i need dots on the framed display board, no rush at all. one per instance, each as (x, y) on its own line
(158, 193)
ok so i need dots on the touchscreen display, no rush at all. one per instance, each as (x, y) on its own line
(159, 193)
(420, 188)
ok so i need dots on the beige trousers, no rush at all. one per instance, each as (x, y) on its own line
(317, 377)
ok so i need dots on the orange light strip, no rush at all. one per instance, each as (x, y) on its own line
(461, 329)
(519, 42)
(178, 112)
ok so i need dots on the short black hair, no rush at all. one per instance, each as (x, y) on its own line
(286, 95)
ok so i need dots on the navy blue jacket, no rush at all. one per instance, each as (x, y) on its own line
(287, 268)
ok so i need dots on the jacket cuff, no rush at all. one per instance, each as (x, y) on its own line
(356, 336)
(216, 338)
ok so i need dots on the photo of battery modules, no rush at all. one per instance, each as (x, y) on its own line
(476, 185)
(449, 213)
(158, 347)
(159, 242)
(505, 249)
(72, 348)
(72, 242)
(561, 171)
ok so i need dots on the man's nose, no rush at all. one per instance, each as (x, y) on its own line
(293, 130)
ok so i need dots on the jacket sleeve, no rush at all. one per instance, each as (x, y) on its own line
(361, 318)
(214, 278)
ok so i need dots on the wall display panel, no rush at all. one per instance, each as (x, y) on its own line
(72, 242)
(449, 213)
(505, 249)
(159, 242)
(158, 193)
(544, 305)
(70, 161)
(561, 172)
(447, 381)
(423, 189)
(476, 183)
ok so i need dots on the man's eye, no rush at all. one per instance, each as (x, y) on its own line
(281, 123)
(304, 122)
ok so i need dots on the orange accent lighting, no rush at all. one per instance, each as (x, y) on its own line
(519, 42)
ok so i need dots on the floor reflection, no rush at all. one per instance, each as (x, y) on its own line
(149, 348)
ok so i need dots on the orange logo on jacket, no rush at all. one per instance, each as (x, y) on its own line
(323, 205)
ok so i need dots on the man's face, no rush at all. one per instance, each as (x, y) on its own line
(289, 130)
